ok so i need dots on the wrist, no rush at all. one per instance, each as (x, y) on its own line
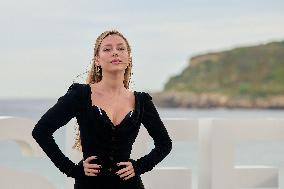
(135, 166)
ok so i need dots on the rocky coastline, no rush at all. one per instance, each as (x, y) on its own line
(209, 100)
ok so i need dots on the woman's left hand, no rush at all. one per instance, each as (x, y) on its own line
(126, 172)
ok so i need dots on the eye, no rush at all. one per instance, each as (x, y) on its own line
(106, 49)
(121, 48)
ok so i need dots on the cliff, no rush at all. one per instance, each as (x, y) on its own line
(244, 77)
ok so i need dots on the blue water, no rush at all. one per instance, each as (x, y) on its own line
(184, 154)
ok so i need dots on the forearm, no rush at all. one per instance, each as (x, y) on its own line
(49, 146)
(149, 161)
(157, 130)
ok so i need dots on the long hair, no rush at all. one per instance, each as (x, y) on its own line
(95, 73)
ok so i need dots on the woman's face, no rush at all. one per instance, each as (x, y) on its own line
(113, 54)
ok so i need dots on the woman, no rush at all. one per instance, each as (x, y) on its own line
(109, 116)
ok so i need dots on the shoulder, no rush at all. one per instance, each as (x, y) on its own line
(145, 96)
(148, 106)
(76, 90)
(76, 95)
(76, 87)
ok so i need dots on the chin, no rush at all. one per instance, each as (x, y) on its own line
(117, 69)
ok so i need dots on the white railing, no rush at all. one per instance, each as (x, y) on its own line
(19, 130)
(216, 153)
(216, 141)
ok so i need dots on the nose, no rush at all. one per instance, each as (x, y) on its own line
(114, 52)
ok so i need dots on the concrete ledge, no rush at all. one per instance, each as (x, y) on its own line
(168, 178)
(256, 177)
(12, 179)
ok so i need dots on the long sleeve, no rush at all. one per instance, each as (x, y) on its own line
(66, 107)
(156, 129)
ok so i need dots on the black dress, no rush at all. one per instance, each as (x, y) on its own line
(99, 137)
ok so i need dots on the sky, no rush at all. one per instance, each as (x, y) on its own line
(44, 45)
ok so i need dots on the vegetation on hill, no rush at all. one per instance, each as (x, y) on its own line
(244, 73)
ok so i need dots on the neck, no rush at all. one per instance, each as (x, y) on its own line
(112, 83)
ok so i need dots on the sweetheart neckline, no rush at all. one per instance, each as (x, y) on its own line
(105, 113)
(120, 123)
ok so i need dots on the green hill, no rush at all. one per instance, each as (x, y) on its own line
(246, 72)
(253, 71)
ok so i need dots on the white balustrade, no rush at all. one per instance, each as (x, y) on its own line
(19, 130)
(216, 152)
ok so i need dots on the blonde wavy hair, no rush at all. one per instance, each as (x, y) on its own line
(95, 73)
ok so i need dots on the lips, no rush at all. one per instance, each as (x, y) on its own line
(115, 61)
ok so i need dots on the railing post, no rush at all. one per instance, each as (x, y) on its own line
(216, 156)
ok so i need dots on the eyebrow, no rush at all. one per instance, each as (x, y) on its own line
(110, 44)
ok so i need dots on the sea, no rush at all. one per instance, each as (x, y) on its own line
(183, 154)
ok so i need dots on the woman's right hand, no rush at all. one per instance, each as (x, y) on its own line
(91, 169)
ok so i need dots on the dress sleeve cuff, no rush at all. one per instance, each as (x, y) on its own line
(135, 167)
(77, 171)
